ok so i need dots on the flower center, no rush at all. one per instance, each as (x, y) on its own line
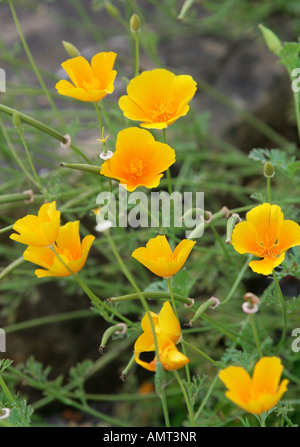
(270, 249)
(162, 112)
(136, 168)
(93, 85)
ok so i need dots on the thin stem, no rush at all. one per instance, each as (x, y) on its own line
(238, 280)
(169, 178)
(221, 242)
(187, 369)
(283, 305)
(147, 310)
(189, 408)
(137, 54)
(255, 334)
(201, 353)
(33, 64)
(6, 390)
(99, 116)
(94, 298)
(35, 174)
(15, 154)
(206, 397)
(269, 189)
(43, 128)
(172, 297)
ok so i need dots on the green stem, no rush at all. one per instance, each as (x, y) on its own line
(217, 364)
(43, 128)
(205, 399)
(283, 305)
(189, 408)
(172, 297)
(187, 369)
(255, 334)
(6, 390)
(221, 242)
(16, 263)
(94, 298)
(15, 154)
(144, 303)
(169, 178)
(137, 54)
(37, 178)
(33, 64)
(269, 189)
(238, 280)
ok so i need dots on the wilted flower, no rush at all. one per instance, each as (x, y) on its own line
(168, 333)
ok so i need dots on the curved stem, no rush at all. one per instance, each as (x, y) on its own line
(283, 305)
(189, 408)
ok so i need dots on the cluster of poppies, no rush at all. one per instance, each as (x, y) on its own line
(140, 160)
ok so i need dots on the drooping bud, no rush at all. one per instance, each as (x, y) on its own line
(271, 39)
(269, 170)
(17, 121)
(231, 222)
(119, 328)
(70, 49)
(135, 23)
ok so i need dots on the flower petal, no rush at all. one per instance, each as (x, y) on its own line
(79, 70)
(267, 220)
(266, 265)
(238, 382)
(245, 239)
(266, 375)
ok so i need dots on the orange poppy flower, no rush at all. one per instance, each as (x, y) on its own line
(139, 160)
(158, 257)
(168, 333)
(157, 98)
(91, 82)
(38, 231)
(69, 248)
(262, 392)
(266, 235)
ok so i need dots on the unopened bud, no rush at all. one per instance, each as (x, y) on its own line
(269, 170)
(135, 23)
(271, 39)
(231, 223)
(112, 10)
(70, 49)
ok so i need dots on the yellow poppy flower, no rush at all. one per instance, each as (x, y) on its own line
(38, 231)
(157, 98)
(158, 257)
(266, 235)
(168, 333)
(69, 248)
(259, 394)
(139, 160)
(91, 82)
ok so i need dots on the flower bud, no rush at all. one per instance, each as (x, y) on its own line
(70, 49)
(112, 10)
(231, 222)
(135, 23)
(269, 170)
(271, 39)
